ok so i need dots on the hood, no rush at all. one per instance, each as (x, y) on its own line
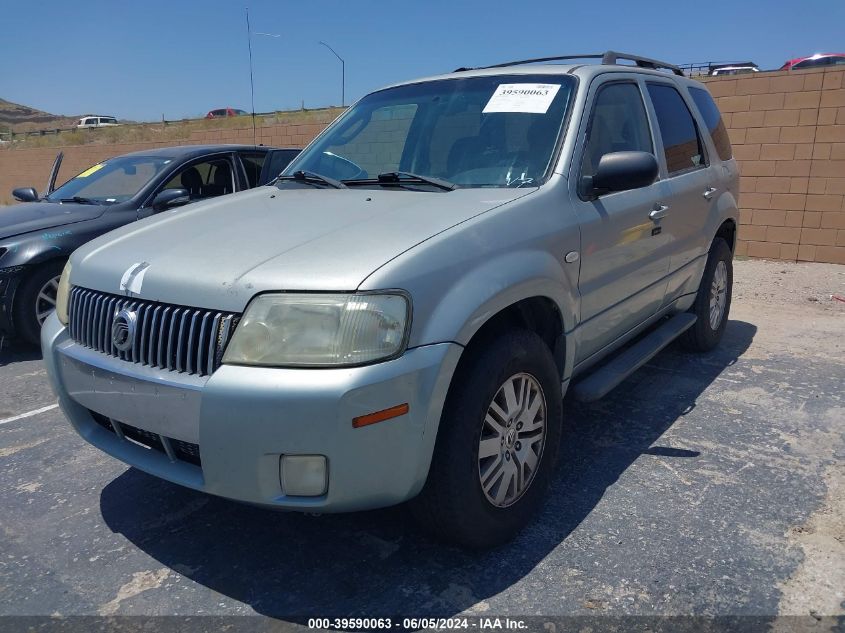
(38, 216)
(219, 254)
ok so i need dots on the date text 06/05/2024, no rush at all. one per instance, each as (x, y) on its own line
(482, 624)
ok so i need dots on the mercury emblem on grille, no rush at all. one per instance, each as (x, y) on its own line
(123, 330)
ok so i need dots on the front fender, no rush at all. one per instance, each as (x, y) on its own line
(37, 247)
(32, 252)
(474, 297)
(460, 278)
(32, 249)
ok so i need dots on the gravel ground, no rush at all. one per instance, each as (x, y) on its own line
(762, 282)
(705, 484)
(798, 302)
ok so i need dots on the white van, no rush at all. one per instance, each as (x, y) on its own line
(97, 121)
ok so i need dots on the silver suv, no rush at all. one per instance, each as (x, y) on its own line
(399, 315)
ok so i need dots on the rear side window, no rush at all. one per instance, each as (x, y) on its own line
(253, 162)
(681, 143)
(713, 120)
(618, 124)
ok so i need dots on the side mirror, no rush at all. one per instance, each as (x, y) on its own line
(620, 171)
(25, 194)
(170, 198)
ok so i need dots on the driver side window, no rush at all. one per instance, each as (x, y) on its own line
(205, 179)
(618, 124)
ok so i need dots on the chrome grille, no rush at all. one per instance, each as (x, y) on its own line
(176, 338)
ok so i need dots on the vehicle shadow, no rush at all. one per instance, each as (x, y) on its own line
(13, 351)
(378, 563)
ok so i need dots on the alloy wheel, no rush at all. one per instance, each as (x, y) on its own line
(718, 295)
(512, 439)
(45, 302)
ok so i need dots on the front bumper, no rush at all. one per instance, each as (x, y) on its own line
(245, 418)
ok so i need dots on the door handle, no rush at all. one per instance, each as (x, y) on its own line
(658, 212)
(709, 192)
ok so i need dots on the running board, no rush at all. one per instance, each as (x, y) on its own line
(609, 375)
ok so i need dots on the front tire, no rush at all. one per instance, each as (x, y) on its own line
(497, 444)
(713, 301)
(36, 299)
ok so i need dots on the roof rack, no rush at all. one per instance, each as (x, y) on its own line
(608, 58)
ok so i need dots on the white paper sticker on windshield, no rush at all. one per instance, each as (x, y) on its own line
(534, 98)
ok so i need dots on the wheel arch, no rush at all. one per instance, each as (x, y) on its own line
(538, 314)
(16, 297)
(727, 217)
(727, 231)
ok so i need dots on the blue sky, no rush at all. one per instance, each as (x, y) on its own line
(142, 60)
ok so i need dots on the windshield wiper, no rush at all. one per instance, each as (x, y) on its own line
(311, 178)
(399, 177)
(80, 200)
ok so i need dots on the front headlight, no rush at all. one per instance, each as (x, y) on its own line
(320, 330)
(62, 294)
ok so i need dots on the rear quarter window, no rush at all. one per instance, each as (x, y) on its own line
(713, 120)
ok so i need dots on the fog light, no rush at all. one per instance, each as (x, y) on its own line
(304, 475)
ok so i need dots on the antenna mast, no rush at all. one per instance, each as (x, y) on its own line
(251, 83)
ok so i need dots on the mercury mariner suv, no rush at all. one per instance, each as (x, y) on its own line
(399, 315)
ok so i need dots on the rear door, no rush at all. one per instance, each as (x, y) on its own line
(624, 257)
(693, 179)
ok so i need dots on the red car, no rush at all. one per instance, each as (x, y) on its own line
(224, 112)
(815, 61)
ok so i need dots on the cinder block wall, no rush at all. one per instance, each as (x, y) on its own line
(788, 134)
(787, 130)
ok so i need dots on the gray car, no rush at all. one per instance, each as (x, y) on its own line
(401, 314)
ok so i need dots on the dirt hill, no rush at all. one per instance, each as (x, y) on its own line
(21, 118)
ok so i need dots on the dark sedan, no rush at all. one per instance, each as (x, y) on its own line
(37, 238)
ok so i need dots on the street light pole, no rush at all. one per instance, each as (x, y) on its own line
(342, 74)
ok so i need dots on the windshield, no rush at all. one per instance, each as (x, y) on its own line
(114, 180)
(497, 131)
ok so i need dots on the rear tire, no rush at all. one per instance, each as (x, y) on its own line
(34, 298)
(497, 444)
(713, 301)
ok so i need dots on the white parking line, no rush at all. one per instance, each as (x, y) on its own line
(29, 413)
